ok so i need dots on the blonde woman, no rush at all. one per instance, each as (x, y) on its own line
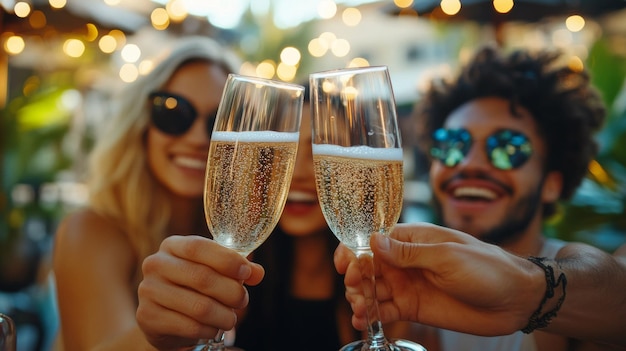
(146, 180)
(300, 304)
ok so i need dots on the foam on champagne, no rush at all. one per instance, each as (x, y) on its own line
(247, 182)
(361, 151)
(256, 137)
(360, 191)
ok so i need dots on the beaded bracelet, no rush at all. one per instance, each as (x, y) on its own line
(536, 321)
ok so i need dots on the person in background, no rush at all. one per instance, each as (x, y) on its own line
(300, 304)
(146, 181)
(510, 137)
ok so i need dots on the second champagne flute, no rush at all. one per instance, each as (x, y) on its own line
(251, 158)
(358, 169)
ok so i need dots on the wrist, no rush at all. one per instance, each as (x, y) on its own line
(535, 288)
(554, 292)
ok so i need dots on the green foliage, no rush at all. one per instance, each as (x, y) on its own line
(596, 213)
(32, 129)
(607, 70)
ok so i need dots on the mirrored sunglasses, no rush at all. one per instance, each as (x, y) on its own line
(174, 115)
(506, 149)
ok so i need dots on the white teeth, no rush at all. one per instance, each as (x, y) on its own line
(301, 196)
(190, 162)
(475, 192)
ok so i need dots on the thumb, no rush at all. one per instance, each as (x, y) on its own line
(395, 253)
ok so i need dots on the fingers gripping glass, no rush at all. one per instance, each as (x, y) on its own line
(507, 149)
(251, 158)
(173, 114)
(357, 156)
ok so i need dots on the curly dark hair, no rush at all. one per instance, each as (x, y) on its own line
(567, 109)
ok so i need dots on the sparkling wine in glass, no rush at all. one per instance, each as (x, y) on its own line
(358, 164)
(251, 159)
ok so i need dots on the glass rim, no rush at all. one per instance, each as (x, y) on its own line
(266, 81)
(349, 70)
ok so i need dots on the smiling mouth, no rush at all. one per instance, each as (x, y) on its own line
(474, 194)
(189, 162)
(301, 196)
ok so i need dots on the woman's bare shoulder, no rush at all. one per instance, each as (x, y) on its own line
(94, 269)
(85, 234)
(86, 218)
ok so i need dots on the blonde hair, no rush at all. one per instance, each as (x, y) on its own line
(121, 184)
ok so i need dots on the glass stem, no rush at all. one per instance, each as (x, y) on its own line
(215, 344)
(376, 337)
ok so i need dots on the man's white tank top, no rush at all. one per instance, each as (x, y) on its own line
(518, 341)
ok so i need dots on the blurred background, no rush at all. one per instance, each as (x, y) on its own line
(60, 60)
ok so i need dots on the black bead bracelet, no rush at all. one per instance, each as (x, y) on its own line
(537, 320)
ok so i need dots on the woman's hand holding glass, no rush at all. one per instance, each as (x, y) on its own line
(191, 288)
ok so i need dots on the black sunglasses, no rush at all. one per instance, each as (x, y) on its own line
(174, 115)
(506, 149)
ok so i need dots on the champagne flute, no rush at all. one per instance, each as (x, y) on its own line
(251, 159)
(358, 170)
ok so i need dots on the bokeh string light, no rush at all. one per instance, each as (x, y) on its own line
(165, 14)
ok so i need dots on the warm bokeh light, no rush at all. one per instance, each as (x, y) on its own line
(266, 69)
(328, 38)
(340, 47)
(37, 19)
(73, 48)
(576, 64)
(92, 32)
(160, 19)
(328, 86)
(131, 53)
(358, 62)
(290, 56)
(57, 4)
(317, 47)
(403, 4)
(128, 73)
(351, 17)
(176, 10)
(14, 45)
(503, 6)
(286, 72)
(247, 69)
(575, 23)
(171, 103)
(107, 44)
(120, 37)
(22, 9)
(112, 2)
(450, 7)
(327, 9)
(145, 67)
